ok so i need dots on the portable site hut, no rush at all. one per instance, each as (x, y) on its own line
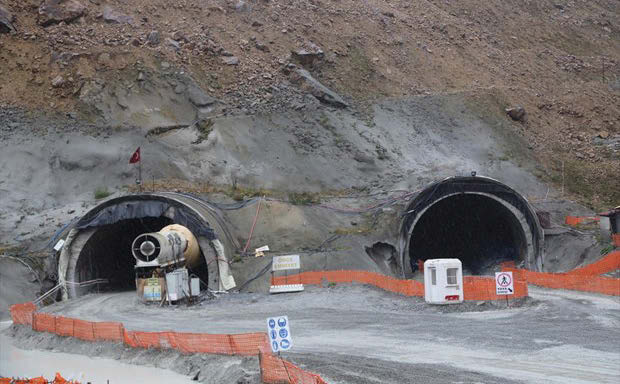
(443, 281)
(610, 225)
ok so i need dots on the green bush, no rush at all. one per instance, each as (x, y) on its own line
(102, 193)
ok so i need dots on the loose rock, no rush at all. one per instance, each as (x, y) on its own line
(153, 38)
(309, 55)
(304, 80)
(516, 113)
(6, 21)
(58, 81)
(230, 60)
(57, 11)
(112, 16)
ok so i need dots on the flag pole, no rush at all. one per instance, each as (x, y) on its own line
(140, 173)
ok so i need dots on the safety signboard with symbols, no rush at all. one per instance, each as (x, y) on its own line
(504, 284)
(279, 333)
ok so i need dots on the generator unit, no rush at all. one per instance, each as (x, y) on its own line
(173, 247)
(162, 259)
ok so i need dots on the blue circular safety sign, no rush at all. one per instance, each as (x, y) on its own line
(275, 345)
(282, 322)
(273, 334)
(285, 343)
(283, 333)
(272, 323)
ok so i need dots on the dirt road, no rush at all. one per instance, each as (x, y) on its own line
(355, 334)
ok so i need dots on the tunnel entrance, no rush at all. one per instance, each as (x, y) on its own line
(476, 229)
(107, 253)
(476, 219)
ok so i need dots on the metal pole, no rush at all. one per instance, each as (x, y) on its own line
(562, 178)
(140, 175)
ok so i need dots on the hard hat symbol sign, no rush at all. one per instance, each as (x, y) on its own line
(504, 280)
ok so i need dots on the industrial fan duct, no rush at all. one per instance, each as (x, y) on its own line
(174, 245)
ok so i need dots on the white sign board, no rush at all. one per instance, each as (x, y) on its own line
(504, 284)
(282, 263)
(59, 245)
(279, 333)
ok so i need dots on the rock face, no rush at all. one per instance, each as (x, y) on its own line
(6, 19)
(112, 16)
(516, 113)
(56, 11)
(199, 98)
(304, 80)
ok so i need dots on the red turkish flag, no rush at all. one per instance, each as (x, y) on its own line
(135, 157)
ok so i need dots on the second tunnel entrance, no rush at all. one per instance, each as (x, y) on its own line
(475, 219)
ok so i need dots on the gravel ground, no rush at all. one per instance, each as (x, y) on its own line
(349, 332)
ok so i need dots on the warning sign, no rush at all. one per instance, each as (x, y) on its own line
(279, 333)
(504, 285)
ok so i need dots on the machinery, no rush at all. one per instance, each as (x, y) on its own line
(166, 254)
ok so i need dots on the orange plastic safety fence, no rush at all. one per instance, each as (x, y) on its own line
(609, 263)
(83, 330)
(475, 288)
(575, 220)
(108, 331)
(44, 322)
(64, 326)
(572, 281)
(275, 370)
(38, 380)
(22, 313)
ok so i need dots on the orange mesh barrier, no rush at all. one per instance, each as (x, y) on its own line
(64, 326)
(575, 220)
(108, 331)
(38, 380)
(576, 282)
(609, 263)
(275, 370)
(44, 322)
(483, 288)
(474, 288)
(83, 330)
(22, 313)
(616, 239)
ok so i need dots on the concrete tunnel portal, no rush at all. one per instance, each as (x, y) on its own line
(478, 220)
(99, 245)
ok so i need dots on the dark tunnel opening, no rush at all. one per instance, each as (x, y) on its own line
(478, 230)
(107, 253)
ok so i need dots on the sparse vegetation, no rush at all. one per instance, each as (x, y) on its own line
(204, 128)
(304, 198)
(101, 193)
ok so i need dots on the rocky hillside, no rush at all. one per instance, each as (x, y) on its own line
(157, 65)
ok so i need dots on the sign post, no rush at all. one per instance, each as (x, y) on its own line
(504, 284)
(279, 333)
(284, 263)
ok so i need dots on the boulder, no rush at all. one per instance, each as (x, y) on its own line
(199, 98)
(111, 15)
(6, 20)
(230, 60)
(516, 113)
(304, 80)
(153, 38)
(308, 55)
(56, 11)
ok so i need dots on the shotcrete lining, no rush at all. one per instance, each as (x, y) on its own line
(161, 208)
(475, 228)
(531, 235)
